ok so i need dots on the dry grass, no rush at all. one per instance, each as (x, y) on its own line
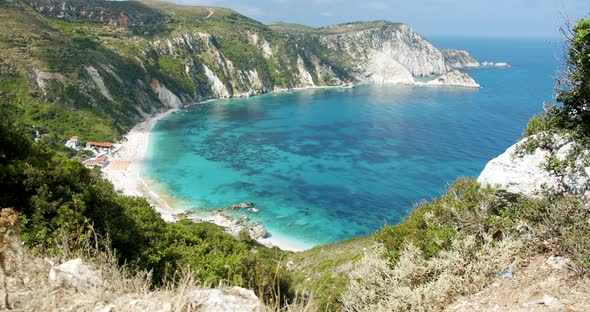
(30, 289)
(415, 283)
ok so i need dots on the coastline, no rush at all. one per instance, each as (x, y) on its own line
(126, 162)
(124, 172)
(124, 168)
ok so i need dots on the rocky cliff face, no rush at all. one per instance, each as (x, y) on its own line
(155, 55)
(129, 14)
(394, 44)
(459, 59)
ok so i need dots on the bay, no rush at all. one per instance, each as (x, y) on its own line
(323, 165)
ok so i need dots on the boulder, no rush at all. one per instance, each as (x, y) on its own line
(234, 299)
(75, 273)
(557, 263)
(258, 231)
(241, 206)
(525, 174)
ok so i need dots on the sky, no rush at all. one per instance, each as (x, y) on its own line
(471, 18)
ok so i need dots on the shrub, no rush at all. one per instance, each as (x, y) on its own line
(466, 207)
(420, 283)
(556, 224)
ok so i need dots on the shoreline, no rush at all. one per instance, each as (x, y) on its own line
(124, 172)
(125, 164)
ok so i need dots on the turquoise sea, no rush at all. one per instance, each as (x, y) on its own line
(329, 164)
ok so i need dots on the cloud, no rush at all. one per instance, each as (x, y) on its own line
(327, 14)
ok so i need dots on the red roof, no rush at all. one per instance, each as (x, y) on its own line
(96, 161)
(100, 144)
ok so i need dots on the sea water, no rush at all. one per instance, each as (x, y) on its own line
(328, 164)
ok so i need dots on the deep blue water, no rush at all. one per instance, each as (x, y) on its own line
(330, 164)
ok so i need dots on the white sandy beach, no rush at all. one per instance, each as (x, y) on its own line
(125, 164)
(124, 169)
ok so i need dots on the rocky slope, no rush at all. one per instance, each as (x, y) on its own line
(108, 64)
(459, 59)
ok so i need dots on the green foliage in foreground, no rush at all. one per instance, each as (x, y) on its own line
(466, 208)
(553, 223)
(61, 200)
(573, 116)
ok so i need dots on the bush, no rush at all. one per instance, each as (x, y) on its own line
(555, 224)
(466, 207)
(420, 283)
(61, 200)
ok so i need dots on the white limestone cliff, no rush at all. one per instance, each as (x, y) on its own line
(459, 59)
(166, 97)
(384, 69)
(396, 41)
(454, 78)
(98, 81)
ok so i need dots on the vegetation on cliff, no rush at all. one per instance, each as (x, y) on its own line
(445, 248)
(573, 90)
(62, 201)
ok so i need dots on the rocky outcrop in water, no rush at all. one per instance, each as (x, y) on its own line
(454, 78)
(459, 59)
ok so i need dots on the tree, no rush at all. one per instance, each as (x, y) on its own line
(574, 87)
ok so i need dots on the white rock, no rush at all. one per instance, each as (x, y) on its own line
(108, 308)
(304, 75)
(384, 69)
(454, 78)
(217, 86)
(74, 273)
(42, 77)
(524, 174)
(258, 231)
(235, 299)
(557, 263)
(459, 59)
(98, 81)
(515, 174)
(290, 265)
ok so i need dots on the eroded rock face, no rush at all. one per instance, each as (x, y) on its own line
(459, 59)
(454, 78)
(392, 40)
(190, 64)
(526, 174)
(125, 14)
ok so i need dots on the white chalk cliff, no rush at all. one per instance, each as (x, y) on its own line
(459, 59)
(454, 78)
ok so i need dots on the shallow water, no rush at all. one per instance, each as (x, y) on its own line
(329, 164)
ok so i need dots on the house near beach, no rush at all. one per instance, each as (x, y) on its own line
(100, 162)
(73, 142)
(101, 147)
